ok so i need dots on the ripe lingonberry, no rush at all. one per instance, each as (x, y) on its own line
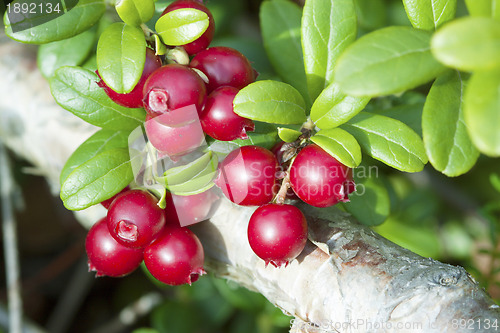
(224, 66)
(247, 176)
(204, 40)
(319, 179)
(134, 218)
(218, 118)
(277, 233)
(191, 209)
(172, 87)
(133, 99)
(174, 140)
(175, 257)
(108, 257)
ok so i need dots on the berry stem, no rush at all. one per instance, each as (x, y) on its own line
(285, 185)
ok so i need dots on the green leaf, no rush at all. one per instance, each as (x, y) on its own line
(280, 25)
(101, 141)
(97, 179)
(447, 143)
(468, 44)
(482, 111)
(56, 27)
(270, 102)
(76, 90)
(430, 14)
(495, 181)
(182, 26)
(328, 27)
(488, 8)
(370, 204)
(386, 61)
(181, 174)
(389, 141)
(192, 178)
(135, 12)
(198, 184)
(68, 52)
(288, 134)
(340, 144)
(121, 55)
(333, 108)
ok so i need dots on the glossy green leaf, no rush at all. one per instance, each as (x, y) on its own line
(76, 90)
(340, 144)
(199, 183)
(270, 102)
(280, 24)
(446, 140)
(328, 27)
(482, 111)
(288, 134)
(386, 61)
(430, 14)
(121, 54)
(101, 141)
(469, 44)
(333, 108)
(67, 52)
(97, 179)
(160, 48)
(56, 27)
(389, 141)
(182, 26)
(488, 8)
(135, 12)
(181, 174)
(370, 204)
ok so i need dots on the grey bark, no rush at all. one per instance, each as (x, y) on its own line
(348, 278)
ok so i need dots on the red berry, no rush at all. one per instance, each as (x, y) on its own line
(277, 233)
(106, 256)
(175, 257)
(174, 140)
(133, 99)
(107, 203)
(204, 40)
(224, 66)
(191, 209)
(172, 87)
(218, 118)
(247, 176)
(319, 179)
(134, 218)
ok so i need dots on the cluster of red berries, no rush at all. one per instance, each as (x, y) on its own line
(183, 103)
(136, 229)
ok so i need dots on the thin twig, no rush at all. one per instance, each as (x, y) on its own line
(10, 245)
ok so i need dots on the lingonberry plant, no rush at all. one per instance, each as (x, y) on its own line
(397, 96)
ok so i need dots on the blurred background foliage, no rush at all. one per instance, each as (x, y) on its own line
(455, 220)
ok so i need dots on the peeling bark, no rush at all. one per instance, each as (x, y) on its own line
(348, 278)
